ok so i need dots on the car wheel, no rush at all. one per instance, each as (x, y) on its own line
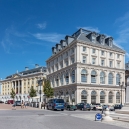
(47, 108)
(89, 109)
(62, 109)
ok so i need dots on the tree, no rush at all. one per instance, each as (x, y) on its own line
(47, 89)
(32, 92)
(13, 94)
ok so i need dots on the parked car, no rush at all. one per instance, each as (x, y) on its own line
(83, 106)
(56, 104)
(96, 106)
(118, 106)
(17, 103)
(1, 101)
(71, 107)
(110, 107)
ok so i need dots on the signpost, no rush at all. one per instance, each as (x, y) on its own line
(98, 117)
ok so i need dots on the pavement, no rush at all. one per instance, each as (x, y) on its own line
(46, 119)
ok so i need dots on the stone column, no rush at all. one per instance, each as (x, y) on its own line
(15, 86)
(114, 97)
(89, 96)
(98, 96)
(106, 97)
(89, 62)
(77, 96)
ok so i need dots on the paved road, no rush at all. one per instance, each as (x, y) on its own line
(44, 119)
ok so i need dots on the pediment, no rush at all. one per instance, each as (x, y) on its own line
(16, 76)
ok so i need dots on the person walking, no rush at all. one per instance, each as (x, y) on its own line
(25, 104)
(22, 104)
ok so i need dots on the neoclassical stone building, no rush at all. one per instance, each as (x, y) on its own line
(21, 82)
(87, 67)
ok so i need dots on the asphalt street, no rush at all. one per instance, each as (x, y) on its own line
(44, 119)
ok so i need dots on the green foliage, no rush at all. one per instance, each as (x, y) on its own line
(47, 89)
(32, 92)
(12, 94)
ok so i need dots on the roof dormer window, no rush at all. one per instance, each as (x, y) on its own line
(93, 39)
(110, 43)
(102, 41)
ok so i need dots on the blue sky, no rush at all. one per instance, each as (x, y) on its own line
(29, 28)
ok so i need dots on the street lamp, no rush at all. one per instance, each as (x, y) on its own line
(40, 91)
(121, 90)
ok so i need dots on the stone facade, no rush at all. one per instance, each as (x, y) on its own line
(85, 68)
(21, 83)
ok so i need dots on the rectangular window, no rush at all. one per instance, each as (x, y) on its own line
(72, 60)
(93, 60)
(66, 62)
(93, 51)
(102, 53)
(93, 39)
(72, 50)
(84, 49)
(110, 63)
(118, 56)
(84, 59)
(66, 54)
(110, 54)
(61, 64)
(102, 62)
(57, 67)
(118, 64)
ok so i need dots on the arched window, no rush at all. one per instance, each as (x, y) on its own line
(117, 79)
(110, 97)
(67, 78)
(102, 97)
(73, 76)
(118, 97)
(57, 81)
(110, 78)
(102, 78)
(93, 76)
(93, 97)
(73, 96)
(84, 96)
(83, 75)
(61, 79)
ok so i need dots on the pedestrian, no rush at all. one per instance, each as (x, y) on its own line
(41, 105)
(25, 104)
(22, 104)
(44, 104)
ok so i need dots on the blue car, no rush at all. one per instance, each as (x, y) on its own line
(55, 104)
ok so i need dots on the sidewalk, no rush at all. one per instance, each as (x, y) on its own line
(9, 107)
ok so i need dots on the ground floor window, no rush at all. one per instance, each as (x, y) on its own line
(93, 97)
(110, 97)
(102, 97)
(117, 97)
(84, 96)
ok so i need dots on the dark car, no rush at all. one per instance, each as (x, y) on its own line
(83, 106)
(1, 101)
(71, 107)
(56, 104)
(17, 103)
(118, 106)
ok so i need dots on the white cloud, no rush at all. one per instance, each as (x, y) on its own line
(90, 28)
(50, 37)
(42, 25)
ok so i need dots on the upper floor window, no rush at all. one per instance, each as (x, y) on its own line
(83, 75)
(117, 79)
(93, 60)
(102, 53)
(73, 76)
(66, 62)
(66, 54)
(118, 64)
(110, 78)
(83, 59)
(56, 66)
(61, 57)
(102, 62)
(84, 49)
(110, 43)
(61, 64)
(110, 64)
(118, 56)
(93, 50)
(102, 78)
(72, 50)
(67, 78)
(93, 39)
(72, 60)
(110, 54)
(93, 76)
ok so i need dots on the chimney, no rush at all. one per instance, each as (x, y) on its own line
(26, 68)
(36, 65)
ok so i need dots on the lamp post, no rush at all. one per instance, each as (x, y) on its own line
(40, 91)
(121, 90)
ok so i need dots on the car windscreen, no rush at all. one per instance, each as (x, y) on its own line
(59, 101)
